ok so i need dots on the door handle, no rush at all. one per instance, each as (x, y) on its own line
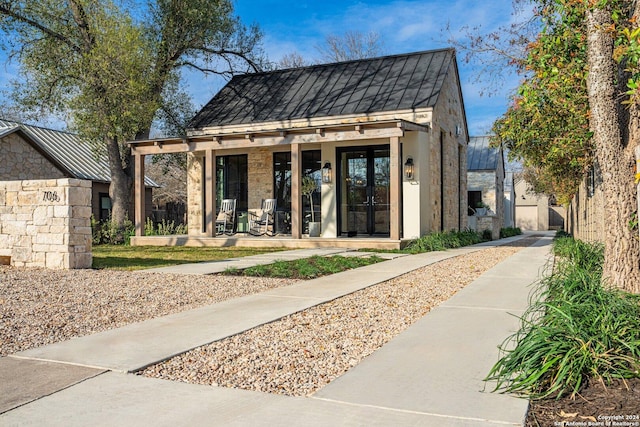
(368, 201)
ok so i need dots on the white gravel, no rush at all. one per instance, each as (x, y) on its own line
(301, 353)
(39, 306)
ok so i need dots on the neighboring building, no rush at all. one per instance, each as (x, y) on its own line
(389, 135)
(509, 200)
(32, 152)
(485, 185)
(536, 212)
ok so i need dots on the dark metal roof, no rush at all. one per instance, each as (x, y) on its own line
(480, 156)
(67, 151)
(390, 83)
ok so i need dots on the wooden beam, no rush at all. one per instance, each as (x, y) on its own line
(139, 195)
(237, 141)
(209, 186)
(395, 182)
(296, 196)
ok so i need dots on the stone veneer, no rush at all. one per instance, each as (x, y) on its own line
(46, 223)
(21, 161)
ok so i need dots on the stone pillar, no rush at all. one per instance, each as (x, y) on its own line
(195, 165)
(210, 192)
(46, 223)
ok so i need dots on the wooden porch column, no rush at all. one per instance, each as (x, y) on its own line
(139, 194)
(296, 197)
(209, 185)
(395, 183)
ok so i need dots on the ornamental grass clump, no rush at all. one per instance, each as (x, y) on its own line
(576, 330)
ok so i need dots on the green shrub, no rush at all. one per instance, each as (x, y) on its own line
(510, 232)
(163, 228)
(576, 329)
(443, 240)
(106, 232)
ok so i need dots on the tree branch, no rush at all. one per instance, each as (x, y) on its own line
(5, 10)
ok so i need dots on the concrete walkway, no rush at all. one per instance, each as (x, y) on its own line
(431, 374)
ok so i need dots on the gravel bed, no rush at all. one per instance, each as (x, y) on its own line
(301, 353)
(39, 306)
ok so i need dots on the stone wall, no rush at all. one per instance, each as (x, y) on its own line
(21, 161)
(260, 176)
(492, 186)
(195, 202)
(46, 223)
(449, 127)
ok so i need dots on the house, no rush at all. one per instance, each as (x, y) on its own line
(485, 185)
(536, 212)
(384, 139)
(32, 152)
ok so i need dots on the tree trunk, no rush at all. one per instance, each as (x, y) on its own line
(121, 182)
(613, 154)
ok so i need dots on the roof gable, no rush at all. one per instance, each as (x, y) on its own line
(67, 151)
(481, 156)
(390, 83)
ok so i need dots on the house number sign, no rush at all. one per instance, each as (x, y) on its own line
(50, 196)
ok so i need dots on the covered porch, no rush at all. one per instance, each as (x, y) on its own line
(359, 203)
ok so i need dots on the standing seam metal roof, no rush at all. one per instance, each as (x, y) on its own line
(66, 149)
(390, 83)
(480, 156)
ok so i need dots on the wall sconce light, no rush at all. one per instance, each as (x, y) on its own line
(408, 168)
(326, 173)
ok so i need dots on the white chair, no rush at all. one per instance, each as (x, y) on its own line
(226, 219)
(262, 221)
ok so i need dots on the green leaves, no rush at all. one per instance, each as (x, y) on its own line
(575, 330)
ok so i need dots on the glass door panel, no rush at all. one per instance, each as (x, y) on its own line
(364, 181)
(381, 198)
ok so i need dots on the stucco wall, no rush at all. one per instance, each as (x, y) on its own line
(21, 161)
(46, 223)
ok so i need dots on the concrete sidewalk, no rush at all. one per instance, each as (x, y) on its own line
(429, 375)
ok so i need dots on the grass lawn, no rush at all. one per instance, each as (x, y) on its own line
(307, 268)
(119, 257)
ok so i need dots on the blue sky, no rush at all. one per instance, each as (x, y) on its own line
(404, 26)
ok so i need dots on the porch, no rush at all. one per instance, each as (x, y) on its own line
(278, 241)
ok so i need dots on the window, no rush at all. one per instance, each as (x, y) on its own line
(105, 206)
(282, 180)
(231, 181)
(474, 198)
(311, 166)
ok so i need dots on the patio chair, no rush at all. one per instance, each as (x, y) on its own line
(262, 221)
(226, 219)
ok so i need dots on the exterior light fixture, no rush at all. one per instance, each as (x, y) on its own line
(326, 173)
(408, 168)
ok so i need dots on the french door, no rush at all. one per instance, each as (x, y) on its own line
(364, 190)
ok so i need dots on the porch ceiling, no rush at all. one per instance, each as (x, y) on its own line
(263, 138)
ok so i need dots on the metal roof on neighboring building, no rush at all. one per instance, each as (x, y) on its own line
(66, 150)
(480, 156)
(390, 83)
